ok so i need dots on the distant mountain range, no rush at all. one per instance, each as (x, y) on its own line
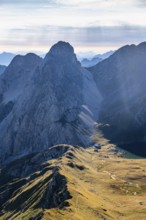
(96, 59)
(6, 58)
(86, 59)
(88, 63)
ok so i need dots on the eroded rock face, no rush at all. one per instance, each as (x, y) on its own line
(13, 84)
(57, 102)
(121, 81)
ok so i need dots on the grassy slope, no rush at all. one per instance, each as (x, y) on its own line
(107, 188)
(101, 184)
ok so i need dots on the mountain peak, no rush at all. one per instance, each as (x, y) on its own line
(28, 60)
(142, 45)
(62, 51)
(61, 48)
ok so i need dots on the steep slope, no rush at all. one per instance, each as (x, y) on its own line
(2, 69)
(121, 81)
(69, 182)
(18, 75)
(13, 85)
(54, 101)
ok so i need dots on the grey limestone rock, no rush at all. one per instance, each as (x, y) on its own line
(54, 101)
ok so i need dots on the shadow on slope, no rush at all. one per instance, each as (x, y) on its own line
(31, 184)
(128, 139)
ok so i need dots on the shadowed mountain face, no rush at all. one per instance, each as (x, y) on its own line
(121, 81)
(2, 69)
(46, 102)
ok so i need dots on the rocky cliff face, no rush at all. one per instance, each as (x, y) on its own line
(46, 102)
(121, 81)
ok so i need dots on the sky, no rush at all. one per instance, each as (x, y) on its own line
(88, 25)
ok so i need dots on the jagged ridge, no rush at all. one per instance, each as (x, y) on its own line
(69, 182)
(36, 185)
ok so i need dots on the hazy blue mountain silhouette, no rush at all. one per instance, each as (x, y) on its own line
(6, 58)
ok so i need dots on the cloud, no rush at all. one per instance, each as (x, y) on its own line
(45, 36)
(26, 1)
(84, 4)
(29, 3)
(40, 23)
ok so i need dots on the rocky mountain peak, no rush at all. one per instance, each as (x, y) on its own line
(62, 47)
(28, 60)
(61, 51)
(143, 44)
(142, 48)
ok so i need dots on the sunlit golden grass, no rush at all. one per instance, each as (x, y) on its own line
(103, 185)
(107, 188)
